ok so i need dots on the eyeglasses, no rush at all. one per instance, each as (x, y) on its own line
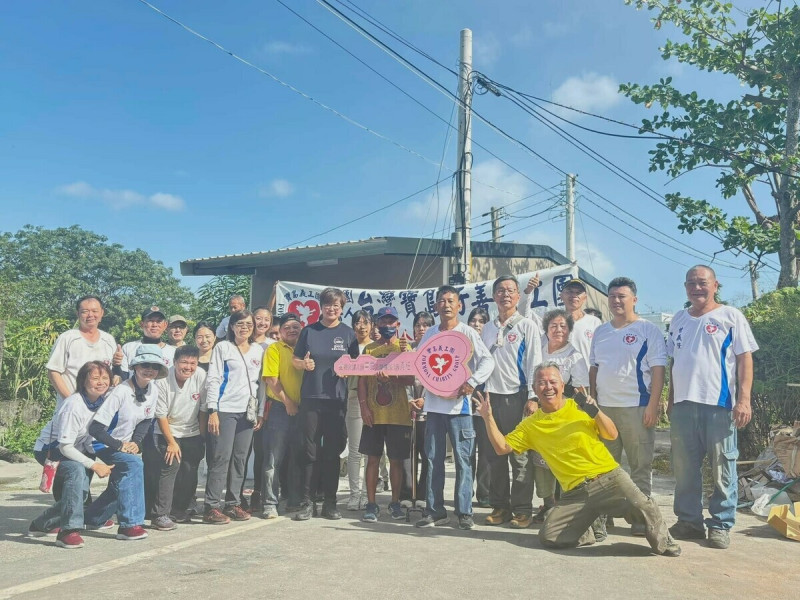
(505, 292)
(241, 325)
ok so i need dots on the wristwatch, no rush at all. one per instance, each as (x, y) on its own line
(211, 411)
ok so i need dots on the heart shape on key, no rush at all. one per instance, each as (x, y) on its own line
(441, 363)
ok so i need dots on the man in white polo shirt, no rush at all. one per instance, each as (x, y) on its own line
(628, 362)
(515, 343)
(712, 347)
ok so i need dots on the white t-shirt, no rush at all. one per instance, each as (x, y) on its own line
(624, 358)
(570, 363)
(229, 385)
(704, 351)
(222, 328)
(121, 406)
(70, 425)
(180, 405)
(129, 351)
(71, 351)
(480, 364)
(515, 357)
(582, 333)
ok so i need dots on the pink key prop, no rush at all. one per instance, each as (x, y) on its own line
(440, 364)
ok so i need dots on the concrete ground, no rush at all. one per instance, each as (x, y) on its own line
(349, 559)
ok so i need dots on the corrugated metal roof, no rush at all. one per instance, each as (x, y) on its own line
(263, 252)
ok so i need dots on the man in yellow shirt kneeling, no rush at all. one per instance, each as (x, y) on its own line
(567, 435)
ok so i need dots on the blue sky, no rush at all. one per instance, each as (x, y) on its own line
(119, 120)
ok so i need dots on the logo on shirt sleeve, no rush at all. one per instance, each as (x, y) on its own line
(196, 396)
(512, 337)
(589, 334)
(630, 338)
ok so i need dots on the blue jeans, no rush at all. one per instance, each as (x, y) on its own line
(124, 495)
(698, 430)
(462, 438)
(67, 513)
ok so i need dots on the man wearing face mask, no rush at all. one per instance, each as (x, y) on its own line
(384, 409)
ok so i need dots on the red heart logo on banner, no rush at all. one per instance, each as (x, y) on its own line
(440, 363)
(308, 310)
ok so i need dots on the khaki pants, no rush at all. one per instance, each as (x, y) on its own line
(636, 440)
(568, 524)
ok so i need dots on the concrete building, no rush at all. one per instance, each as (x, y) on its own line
(383, 262)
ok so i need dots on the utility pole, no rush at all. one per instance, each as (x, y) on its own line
(753, 279)
(462, 235)
(571, 217)
(495, 224)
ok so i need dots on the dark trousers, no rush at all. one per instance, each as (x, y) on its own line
(518, 496)
(177, 482)
(151, 460)
(480, 460)
(321, 437)
(278, 451)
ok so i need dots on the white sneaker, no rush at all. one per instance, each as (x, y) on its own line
(354, 503)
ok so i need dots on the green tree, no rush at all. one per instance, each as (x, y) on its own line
(211, 303)
(752, 140)
(48, 269)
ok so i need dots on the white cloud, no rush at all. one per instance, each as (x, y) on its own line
(167, 201)
(485, 51)
(593, 260)
(120, 199)
(277, 47)
(277, 188)
(590, 92)
(522, 38)
(590, 258)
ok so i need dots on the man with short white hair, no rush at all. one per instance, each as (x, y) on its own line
(567, 433)
(712, 347)
(235, 304)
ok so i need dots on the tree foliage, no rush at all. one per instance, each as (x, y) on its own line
(212, 297)
(48, 269)
(751, 141)
(776, 327)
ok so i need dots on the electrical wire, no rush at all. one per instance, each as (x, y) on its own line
(288, 86)
(369, 214)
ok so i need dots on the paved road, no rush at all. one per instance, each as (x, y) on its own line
(348, 559)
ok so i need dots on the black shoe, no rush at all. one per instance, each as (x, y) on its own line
(329, 511)
(305, 512)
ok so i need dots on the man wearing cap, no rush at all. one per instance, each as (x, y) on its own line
(515, 343)
(235, 304)
(176, 331)
(153, 324)
(573, 295)
(384, 409)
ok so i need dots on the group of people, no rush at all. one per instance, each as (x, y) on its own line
(558, 397)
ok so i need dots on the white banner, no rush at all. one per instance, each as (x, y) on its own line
(303, 298)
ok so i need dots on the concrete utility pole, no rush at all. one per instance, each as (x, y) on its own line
(753, 279)
(571, 217)
(462, 234)
(495, 224)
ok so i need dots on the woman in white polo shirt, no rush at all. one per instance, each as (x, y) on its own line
(119, 428)
(233, 376)
(69, 443)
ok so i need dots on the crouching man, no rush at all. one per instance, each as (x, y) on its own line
(568, 438)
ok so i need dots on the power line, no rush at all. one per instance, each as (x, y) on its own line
(369, 214)
(285, 84)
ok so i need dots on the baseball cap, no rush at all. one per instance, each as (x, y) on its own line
(177, 319)
(573, 283)
(387, 311)
(153, 310)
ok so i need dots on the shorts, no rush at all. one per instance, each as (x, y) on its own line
(396, 437)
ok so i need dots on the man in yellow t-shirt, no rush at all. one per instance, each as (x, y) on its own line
(278, 416)
(387, 420)
(567, 435)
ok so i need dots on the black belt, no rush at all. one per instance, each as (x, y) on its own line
(589, 480)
